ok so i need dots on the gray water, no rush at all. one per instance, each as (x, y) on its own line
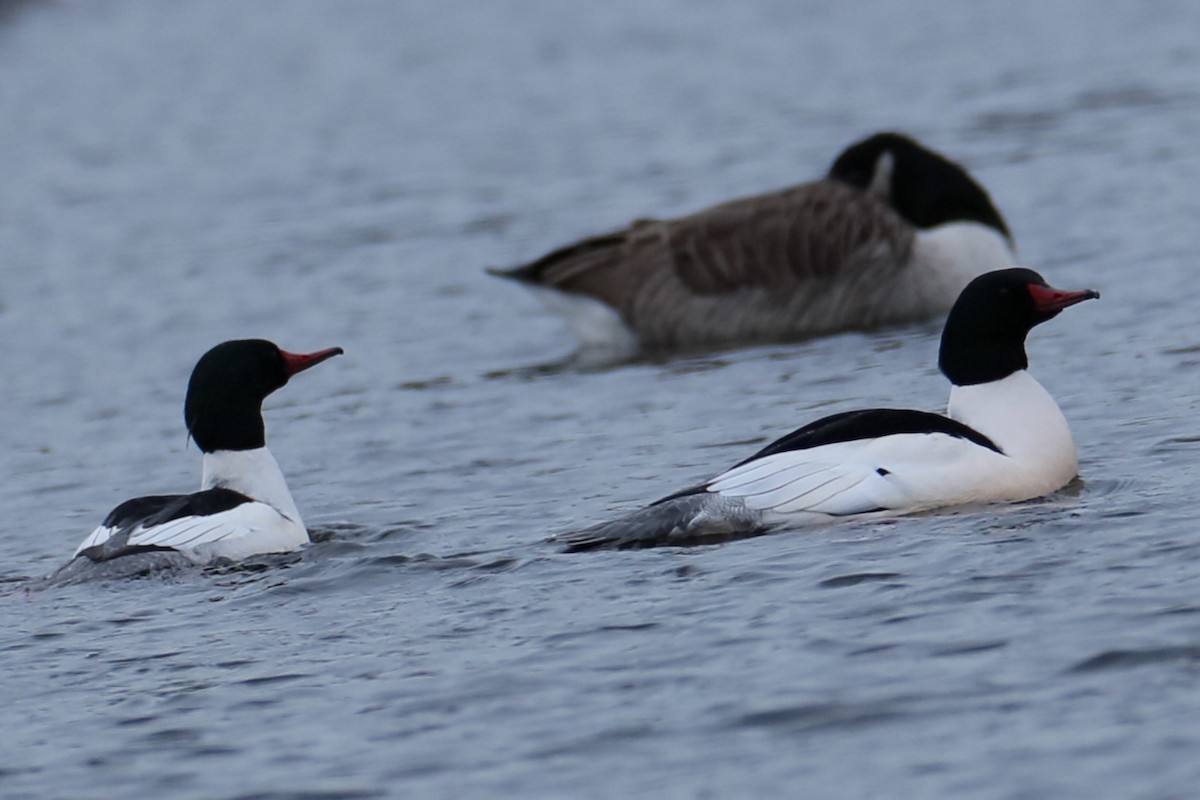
(173, 174)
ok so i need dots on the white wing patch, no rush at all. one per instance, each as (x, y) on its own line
(902, 472)
(101, 534)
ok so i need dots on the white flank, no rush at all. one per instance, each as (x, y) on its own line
(597, 326)
(916, 471)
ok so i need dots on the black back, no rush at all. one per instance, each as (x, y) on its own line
(927, 189)
(870, 423)
(223, 410)
(159, 509)
(984, 336)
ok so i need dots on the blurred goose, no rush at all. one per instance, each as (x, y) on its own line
(243, 507)
(891, 235)
(1003, 438)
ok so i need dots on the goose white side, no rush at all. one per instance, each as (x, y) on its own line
(944, 260)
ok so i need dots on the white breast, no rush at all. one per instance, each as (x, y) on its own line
(1021, 417)
(254, 473)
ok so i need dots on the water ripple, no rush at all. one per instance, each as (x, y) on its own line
(324, 173)
(857, 578)
(824, 716)
(1123, 659)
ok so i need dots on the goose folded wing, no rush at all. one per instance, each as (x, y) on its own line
(812, 232)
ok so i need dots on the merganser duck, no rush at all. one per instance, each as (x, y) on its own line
(891, 235)
(1003, 439)
(243, 507)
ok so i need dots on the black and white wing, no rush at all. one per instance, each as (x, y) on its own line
(860, 462)
(174, 522)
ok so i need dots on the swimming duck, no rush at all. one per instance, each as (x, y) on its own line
(243, 507)
(1002, 439)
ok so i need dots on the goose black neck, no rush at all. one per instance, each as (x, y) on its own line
(925, 188)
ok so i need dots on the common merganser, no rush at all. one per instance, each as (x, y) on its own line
(1003, 439)
(243, 507)
(891, 235)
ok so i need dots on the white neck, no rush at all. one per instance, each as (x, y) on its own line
(255, 474)
(1024, 421)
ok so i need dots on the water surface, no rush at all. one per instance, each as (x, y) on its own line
(176, 174)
